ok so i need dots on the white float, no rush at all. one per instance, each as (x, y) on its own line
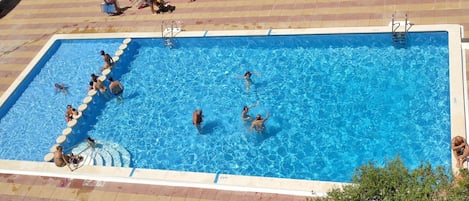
(127, 40)
(77, 116)
(106, 71)
(61, 139)
(92, 92)
(72, 123)
(67, 131)
(102, 78)
(123, 47)
(119, 53)
(87, 99)
(54, 148)
(49, 157)
(115, 59)
(82, 107)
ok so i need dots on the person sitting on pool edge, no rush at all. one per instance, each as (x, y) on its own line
(197, 119)
(460, 150)
(258, 123)
(59, 157)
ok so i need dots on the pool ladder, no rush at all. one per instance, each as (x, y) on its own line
(168, 31)
(399, 38)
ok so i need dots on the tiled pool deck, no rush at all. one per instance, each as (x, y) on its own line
(28, 27)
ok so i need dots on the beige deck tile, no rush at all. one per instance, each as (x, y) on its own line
(109, 196)
(123, 196)
(46, 191)
(34, 191)
(162, 198)
(64, 194)
(97, 195)
(5, 189)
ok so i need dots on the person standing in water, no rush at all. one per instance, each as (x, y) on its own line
(197, 119)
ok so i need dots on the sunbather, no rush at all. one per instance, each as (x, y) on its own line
(460, 150)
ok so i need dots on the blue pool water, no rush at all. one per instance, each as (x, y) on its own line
(336, 103)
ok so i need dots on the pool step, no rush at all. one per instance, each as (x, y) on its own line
(104, 154)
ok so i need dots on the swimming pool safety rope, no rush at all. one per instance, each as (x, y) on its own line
(87, 100)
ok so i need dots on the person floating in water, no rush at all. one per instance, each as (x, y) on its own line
(248, 80)
(197, 119)
(108, 61)
(61, 87)
(258, 123)
(244, 114)
(116, 88)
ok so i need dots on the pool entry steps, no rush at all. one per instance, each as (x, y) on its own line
(399, 38)
(103, 153)
(168, 31)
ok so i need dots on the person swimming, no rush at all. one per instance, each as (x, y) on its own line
(197, 119)
(244, 114)
(259, 124)
(61, 87)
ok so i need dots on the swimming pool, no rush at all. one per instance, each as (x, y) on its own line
(329, 112)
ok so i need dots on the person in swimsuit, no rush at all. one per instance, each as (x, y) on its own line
(69, 113)
(116, 88)
(98, 85)
(460, 150)
(61, 87)
(244, 114)
(59, 157)
(258, 123)
(247, 79)
(108, 61)
(197, 119)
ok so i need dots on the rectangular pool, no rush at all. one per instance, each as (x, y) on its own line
(336, 102)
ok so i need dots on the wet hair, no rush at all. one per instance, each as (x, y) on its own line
(245, 108)
(258, 117)
(59, 148)
(102, 52)
(69, 106)
(110, 79)
(247, 73)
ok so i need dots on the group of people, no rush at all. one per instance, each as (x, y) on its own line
(115, 86)
(61, 159)
(157, 6)
(71, 113)
(257, 123)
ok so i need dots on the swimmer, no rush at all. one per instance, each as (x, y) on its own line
(460, 150)
(248, 80)
(116, 88)
(108, 61)
(244, 114)
(197, 119)
(258, 123)
(98, 85)
(61, 87)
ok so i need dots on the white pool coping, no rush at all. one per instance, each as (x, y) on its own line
(458, 118)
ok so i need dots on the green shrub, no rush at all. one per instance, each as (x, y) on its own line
(395, 182)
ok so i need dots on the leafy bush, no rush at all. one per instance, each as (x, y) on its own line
(395, 182)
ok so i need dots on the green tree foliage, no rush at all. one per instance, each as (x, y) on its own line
(396, 182)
